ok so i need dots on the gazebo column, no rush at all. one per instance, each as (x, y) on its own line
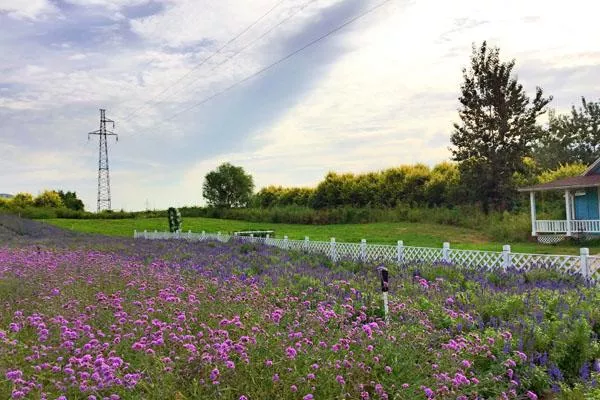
(568, 205)
(533, 215)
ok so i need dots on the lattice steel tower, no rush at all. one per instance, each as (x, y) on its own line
(103, 174)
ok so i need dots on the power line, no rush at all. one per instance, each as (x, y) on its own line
(242, 49)
(281, 60)
(204, 61)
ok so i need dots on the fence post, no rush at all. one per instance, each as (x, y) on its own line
(305, 244)
(285, 242)
(506, 257)
(363, 250)
(203, 237)
(135, 234)
(145, 234)
(332, 252)
(584, 266)
(400, 252)
(446, 252)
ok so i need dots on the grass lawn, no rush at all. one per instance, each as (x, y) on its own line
(413, 234)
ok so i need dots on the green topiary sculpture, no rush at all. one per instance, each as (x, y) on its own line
(174, 220)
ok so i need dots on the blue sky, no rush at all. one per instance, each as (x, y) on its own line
(381, 92)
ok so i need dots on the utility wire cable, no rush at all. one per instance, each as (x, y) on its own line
(242, 49)
(281, 60)
(204, 61)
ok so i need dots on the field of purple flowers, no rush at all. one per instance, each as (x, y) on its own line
(88, 318)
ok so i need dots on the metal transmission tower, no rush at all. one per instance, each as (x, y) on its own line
(103, 175)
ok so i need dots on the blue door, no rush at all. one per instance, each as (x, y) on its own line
(586, 205)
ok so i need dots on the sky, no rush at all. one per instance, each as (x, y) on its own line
(378, 93)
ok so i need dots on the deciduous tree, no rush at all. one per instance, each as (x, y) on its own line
(571, 138)
(228, 186)
(71, 201)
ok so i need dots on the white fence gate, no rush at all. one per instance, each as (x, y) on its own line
(584, 264)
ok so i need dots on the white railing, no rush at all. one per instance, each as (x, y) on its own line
(560, 226)
(588, 267)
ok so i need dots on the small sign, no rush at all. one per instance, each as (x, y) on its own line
(384, 279)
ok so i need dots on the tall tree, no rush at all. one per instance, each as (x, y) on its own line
(497, 129)
(572, 138)
(228, 186)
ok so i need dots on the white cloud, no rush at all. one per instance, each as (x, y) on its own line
(110, 4)
(187, 22)
(77, 57)
(28, 9)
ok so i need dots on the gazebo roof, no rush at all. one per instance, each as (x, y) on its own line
(575, 182)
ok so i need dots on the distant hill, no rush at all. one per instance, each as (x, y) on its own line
(6, 196)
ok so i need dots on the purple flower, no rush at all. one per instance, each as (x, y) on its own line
(428, 392)
(584, 371)
(214, 374)
(17, 394)
(308, 397)
(531, 395)
(14, 375)
(291, 352)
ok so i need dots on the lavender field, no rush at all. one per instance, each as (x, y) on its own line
(88, 317)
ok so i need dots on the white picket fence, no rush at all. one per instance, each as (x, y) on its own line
(584, 264)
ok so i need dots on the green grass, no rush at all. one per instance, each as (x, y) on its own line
(413, 234)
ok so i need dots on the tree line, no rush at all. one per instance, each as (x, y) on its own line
(408, 185)
(46, 199)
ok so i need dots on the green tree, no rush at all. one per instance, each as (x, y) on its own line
(268, 196)
(71, 201)
(563, 171)
(228, 186)
(22, 200)
(497, 129)
(442, 185)
(48, 198)
(571, 138)
(330, 191)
